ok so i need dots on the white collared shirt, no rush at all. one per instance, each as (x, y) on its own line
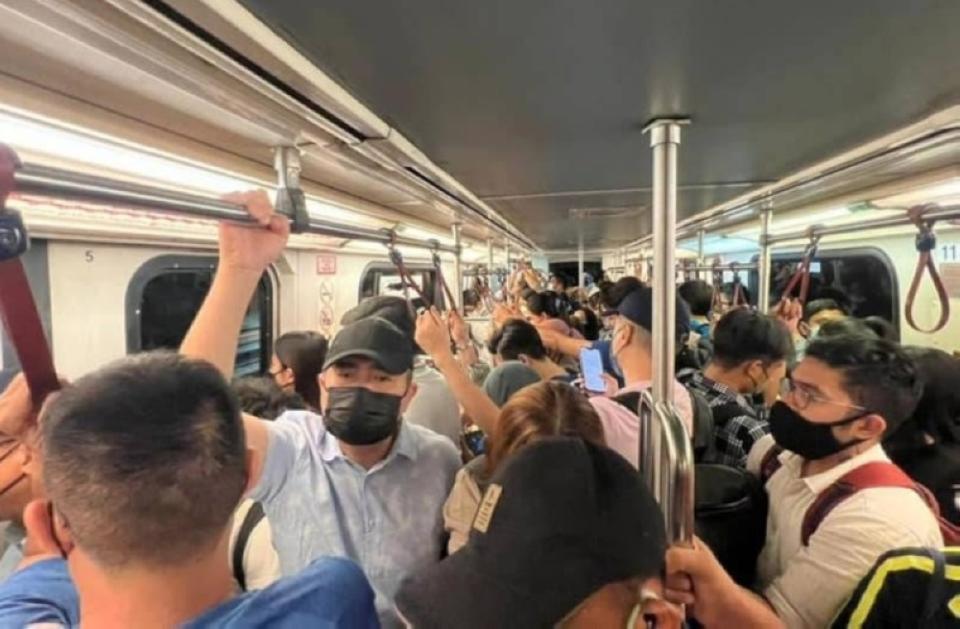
(807, 586)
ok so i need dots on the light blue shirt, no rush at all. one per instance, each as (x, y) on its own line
(388, 519)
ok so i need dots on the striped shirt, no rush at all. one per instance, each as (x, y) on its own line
(737, 425)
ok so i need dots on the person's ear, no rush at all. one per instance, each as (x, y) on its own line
(48, 535)
(872, 426)
(324, 392)
(755, 372)
(408, 397)
(523, 358)
(804, 329)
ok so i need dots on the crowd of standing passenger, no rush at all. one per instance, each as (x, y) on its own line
(402, 473)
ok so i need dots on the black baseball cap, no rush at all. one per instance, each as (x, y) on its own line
(374, 338)
(560, 520)
(637, 307)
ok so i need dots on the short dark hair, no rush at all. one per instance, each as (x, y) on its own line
(819, 305)
(698, 295)
(562, 279)
(846, 326)
(882, 327)
(877, 374)
(263, 397)
(938, 411)
(304, 353)
(617, 291)
(517, 337)
(744, 335)
(544, 303)
(146, 459)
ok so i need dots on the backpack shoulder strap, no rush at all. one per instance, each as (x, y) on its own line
(770, 463)
(630, 401)
(250, 521)
(867, 476)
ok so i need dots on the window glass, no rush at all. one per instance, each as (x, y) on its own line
(385, 280)
(863, 279)
(170, 299)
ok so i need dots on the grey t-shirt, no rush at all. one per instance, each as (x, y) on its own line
(434, 405)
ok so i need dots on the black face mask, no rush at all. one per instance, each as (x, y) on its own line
(792, 431)
(359, 416)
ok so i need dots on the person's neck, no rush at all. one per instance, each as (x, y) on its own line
(727, 378)
(636, 366)
(547, 369)
(812, 467)
(368, 456)
(151, 596)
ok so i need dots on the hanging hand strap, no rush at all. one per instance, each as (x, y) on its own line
(926, 243)
(739, 299)
(802, 275)
(406, 279)
(451, 302)
(17, 308)
(717, 302)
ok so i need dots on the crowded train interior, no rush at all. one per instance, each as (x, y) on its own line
(502, 314)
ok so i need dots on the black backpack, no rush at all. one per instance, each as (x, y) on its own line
(730, 506)
(909, 587)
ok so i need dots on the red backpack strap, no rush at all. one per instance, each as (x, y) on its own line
(870, 475)
(770, 463)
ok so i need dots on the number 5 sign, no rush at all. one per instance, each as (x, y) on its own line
(326, 264)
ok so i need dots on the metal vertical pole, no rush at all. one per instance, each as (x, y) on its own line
(458, 269)
(490, 256)
(763, 285)
(664, 140)
(701, 258)
(580, 259)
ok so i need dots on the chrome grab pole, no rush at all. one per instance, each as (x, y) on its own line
(763, 285)
(457, 268)
(701, 254)
(580, 257)
(665, 141)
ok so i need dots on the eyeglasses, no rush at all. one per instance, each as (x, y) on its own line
(802, 397)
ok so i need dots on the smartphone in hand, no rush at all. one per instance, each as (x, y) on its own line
(591, 370)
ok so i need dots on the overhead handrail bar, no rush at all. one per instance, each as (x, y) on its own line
(738, 212)
(926, 243)
(33, 179)
(935, 213)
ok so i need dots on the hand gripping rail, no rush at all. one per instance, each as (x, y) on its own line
(667, 466)
(926, 244)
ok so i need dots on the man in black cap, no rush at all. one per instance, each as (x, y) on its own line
(567, 535)
(434, 405)
(357, 481)
(631, 350)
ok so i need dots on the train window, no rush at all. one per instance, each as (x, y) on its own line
(864, 278)
(383, 279)
(165, 295)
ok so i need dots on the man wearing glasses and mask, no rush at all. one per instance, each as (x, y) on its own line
(843, 398)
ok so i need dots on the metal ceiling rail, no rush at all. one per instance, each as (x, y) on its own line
(64, 184)
(936, 213)
(752, 205)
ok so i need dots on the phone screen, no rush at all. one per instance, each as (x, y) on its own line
(591, 368)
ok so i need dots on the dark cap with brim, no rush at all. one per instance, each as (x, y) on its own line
(374, 338)
(561, 519)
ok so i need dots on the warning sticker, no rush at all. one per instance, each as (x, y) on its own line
(487, 507)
